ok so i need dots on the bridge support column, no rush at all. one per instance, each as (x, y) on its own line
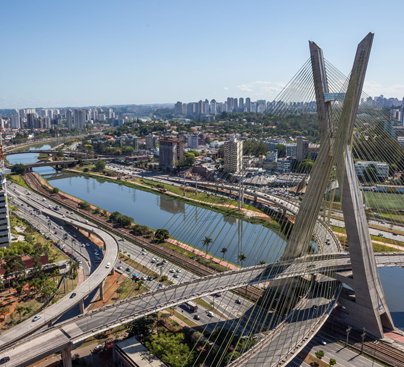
(112, 271)
(81, 304)
(67, 356)
(49, 323)
(102, 291)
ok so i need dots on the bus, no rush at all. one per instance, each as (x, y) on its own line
(193, 307)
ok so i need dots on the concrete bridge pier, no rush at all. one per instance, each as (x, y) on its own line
(67, 356)
(112, 271)
(50, 324)
(81, 304)
(102, 291)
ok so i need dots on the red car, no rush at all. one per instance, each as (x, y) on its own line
(67, 253)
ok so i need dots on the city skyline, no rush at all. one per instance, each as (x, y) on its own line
(128, 52)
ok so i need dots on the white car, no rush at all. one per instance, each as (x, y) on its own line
(172, 271)
(178, 271)
(108, 265)
(37, 317)
(210, 314)
(153, 260)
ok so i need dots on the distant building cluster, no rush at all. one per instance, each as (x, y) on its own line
(213, 108)
(44, 118)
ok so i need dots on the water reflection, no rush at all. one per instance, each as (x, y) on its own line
(170, 205)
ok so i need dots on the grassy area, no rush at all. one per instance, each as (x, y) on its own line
(314, 361)
(43, 157)
(384, 201)
(35, 237)
(209, 263)
(189, 322)
(17, 179)
(68, 284)
(338, 229)
(387, 240)
(381, 248)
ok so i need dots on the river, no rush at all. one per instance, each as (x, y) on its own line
(158, 211)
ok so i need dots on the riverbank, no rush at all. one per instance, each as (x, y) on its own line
(202, 200)
(173, 244)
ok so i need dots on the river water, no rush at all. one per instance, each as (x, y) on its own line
(191, 224)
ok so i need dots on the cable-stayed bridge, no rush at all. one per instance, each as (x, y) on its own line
(321, 276)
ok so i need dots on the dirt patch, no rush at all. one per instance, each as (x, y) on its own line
(92, 237)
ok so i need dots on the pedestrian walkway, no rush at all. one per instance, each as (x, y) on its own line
(394, 336)
(202, 254)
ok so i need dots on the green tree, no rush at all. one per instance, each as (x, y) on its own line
(241, 258)
(55, 190)
(162, 234)
(319, 354)
(332, 362)
(100, 165)
(20, 310)
(206, 242)
(19, 169)
(223, 251)
(281, 150)
(84, 205)
(171, 348)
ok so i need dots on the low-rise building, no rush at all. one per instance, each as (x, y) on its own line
(382, 168)
(131, 353)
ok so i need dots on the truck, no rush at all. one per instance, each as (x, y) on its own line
(135, 277)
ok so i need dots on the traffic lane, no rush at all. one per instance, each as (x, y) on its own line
(297, 362)
(145, 260)
(343, 355)
(55, 238)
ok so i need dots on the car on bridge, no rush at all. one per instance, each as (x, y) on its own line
(4, 360)
(37, 317)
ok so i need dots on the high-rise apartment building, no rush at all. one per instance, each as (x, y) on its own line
(213, 107)
(151, 141)
(69, 119)
(184, 109)
(47, 122)
(233, 155)
(171, 151)
(79, 119)
(178, 108)
(135, 143)
(39, 122)
(193, 141)
(241, 104)
(15, 122)
(248, 104)
(302, 148)
(206, 108)
(30, 120)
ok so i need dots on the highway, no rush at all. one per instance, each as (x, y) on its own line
(53, 312)
(107, 317)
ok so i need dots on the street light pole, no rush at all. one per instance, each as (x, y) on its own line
(347, 335)
(183, 172)
(363, 338)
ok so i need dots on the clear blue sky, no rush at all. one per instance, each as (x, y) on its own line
(87, 52)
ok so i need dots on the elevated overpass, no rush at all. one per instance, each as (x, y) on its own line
(68, 333)
(95, 280)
